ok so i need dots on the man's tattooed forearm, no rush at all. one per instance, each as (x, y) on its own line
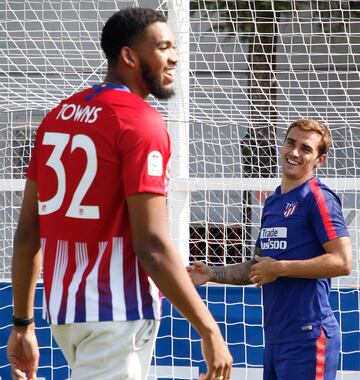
(237, 274)
(220, 275)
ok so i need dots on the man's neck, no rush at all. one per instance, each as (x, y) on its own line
(125, 80)
(287, 184)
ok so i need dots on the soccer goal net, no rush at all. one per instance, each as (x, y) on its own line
(247, 70)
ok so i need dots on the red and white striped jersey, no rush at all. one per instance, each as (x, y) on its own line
(91, 152)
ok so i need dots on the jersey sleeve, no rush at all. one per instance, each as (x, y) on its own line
(32, 169)
(326, 214)
(257, 242)
(145, 154)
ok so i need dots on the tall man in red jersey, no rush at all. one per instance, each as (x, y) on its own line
(94, 203)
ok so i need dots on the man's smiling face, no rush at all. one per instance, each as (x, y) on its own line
(300, 154)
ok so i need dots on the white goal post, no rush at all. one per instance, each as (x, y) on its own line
(247, 70)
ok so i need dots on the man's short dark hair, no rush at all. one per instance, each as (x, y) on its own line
(124, 27)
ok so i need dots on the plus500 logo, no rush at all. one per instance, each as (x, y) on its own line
(273, 244)
(272, 235)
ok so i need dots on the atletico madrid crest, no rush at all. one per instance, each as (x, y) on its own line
(290, 209)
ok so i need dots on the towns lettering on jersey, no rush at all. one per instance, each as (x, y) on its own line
(77, 112)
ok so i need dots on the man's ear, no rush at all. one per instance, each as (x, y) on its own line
(128, 56)
(320, 160)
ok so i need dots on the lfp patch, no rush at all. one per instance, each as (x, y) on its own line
(155, 164)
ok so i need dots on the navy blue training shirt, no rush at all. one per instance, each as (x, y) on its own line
(294, 226)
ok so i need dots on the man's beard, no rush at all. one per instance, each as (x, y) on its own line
(153, 84)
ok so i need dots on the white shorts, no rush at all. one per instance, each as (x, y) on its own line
(108, 350)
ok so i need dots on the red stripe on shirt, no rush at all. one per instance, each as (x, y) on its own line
(320, 356)
(324, 211)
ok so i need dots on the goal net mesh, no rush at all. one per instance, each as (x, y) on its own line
(253, 68)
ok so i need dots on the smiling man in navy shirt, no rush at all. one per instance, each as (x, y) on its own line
(303, 242)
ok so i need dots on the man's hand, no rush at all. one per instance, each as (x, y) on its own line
(163, 264)
(264, 271)
(23, 353)
(199, 273)
(217, 357)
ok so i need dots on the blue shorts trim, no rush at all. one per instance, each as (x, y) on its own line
(313, 359)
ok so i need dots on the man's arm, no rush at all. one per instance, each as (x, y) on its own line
(22, 347)
(235, 274)
(336, 261)
(161, 261)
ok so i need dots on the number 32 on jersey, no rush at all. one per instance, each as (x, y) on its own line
(76, 209)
